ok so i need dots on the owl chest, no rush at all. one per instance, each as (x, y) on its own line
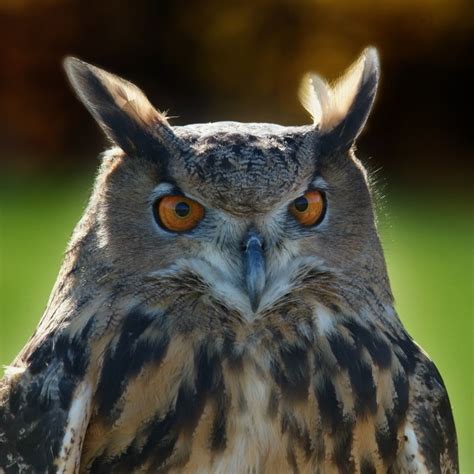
(240, 431)
(194, 414)
(261, 408)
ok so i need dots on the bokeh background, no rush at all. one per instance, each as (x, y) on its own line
(242, 60)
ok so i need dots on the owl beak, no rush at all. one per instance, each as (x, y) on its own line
(254, 267)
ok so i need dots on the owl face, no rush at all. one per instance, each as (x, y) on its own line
(247, 207)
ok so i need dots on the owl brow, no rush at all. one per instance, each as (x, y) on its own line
(164, 188)
(319, 182)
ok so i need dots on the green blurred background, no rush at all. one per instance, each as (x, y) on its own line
(213, 60)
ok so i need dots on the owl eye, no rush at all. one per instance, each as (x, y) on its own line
(178, 213)
(308, 209)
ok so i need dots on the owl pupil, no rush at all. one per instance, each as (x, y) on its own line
(301, 204)
(182, 209)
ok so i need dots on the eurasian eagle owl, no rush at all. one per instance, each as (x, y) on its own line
(224, 306)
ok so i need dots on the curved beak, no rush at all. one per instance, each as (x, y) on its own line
(254, 267)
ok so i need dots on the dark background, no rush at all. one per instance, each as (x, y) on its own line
(215, 60)
(229, 60)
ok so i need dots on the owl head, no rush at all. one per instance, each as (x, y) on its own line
(250, 209)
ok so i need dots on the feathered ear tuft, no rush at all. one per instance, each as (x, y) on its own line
(314, 97)
(119, 107)
(340, 111)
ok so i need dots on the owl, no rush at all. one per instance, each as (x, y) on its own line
(224, 306)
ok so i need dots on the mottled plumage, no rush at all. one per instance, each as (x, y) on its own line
(250, 343)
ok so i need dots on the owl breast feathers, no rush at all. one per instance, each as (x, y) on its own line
(224, 306)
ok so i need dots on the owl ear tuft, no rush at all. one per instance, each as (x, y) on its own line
(341, 110)
(120, 108)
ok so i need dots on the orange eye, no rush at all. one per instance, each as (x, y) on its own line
(178, 213)
(309, 208)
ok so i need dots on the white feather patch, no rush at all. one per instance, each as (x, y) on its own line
(325, 320)
(12, 371)
(410, 459)
(78, 419)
